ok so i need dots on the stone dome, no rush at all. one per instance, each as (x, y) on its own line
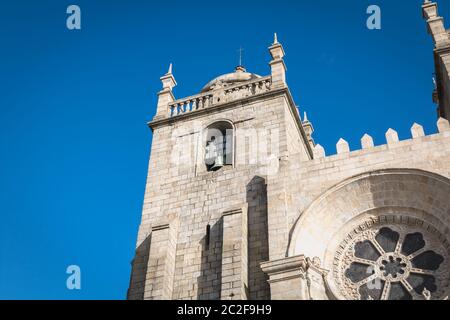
(239, 75)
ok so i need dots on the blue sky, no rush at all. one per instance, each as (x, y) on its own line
(74, 144)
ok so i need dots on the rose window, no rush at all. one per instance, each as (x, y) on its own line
(393, 263)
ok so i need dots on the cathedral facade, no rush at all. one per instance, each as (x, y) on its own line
(241, 203)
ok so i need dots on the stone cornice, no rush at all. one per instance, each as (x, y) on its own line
(285, 269)
(232, 212)
(160, 227)
(445, 48)
(201, 112)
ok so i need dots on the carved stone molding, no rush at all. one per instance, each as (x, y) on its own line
(285, 269)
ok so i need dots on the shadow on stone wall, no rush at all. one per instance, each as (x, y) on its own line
(210, 280)
(139, 271)
(258, 240)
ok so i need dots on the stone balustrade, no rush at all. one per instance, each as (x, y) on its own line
(190, 104)
(220, 95)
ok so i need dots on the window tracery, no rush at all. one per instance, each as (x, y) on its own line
(392, 262)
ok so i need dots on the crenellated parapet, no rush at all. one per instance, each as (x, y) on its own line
(367, 144)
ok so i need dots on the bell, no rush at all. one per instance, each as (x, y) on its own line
(214, 154)
(218, 162)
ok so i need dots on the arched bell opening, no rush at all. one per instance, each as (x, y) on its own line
(219, 145)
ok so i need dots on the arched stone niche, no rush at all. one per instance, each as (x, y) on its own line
(405, 201)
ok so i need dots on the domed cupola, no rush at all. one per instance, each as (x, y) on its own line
(229, 79)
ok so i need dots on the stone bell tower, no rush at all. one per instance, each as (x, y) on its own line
(207, 227)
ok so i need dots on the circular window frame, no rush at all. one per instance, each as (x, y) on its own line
(341, 287)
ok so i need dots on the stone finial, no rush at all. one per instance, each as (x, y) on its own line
(277, 65)
(165, 96)
(417, 131)
(430, 10)
(275, 38)
(443, 125)
(276, 49)
(342, 146)
(309, 129)
(391, 136)
(168, 80)
(435, 23)
(367, 142)
(319, 151)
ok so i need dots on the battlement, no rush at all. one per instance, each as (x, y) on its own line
(392, 139)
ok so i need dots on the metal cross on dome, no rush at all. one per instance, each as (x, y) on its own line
(241, 50)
